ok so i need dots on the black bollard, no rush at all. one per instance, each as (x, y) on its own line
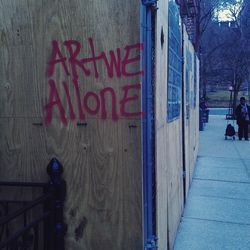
(201, 124)
(57, 186)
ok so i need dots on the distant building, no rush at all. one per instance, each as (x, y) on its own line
(227, 24)
(190, 13)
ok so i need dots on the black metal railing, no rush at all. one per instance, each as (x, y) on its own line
(35, 224)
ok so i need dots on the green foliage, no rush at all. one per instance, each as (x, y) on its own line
(220, 99)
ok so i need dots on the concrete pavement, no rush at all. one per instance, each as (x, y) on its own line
(217, 212)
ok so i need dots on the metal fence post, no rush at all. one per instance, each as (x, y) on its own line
(58, 187)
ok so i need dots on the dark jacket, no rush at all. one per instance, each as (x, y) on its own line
(242, 116)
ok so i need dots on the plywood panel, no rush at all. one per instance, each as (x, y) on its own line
(187, 114)
(110, 192)
(101, 157)
(175, 179)
(26, 46)
(102, 179)
(161, 126)
(168, 144)
(191, 124)
(196, 116)
(169, 141)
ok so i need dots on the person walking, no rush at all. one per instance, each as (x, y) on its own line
(242, 113)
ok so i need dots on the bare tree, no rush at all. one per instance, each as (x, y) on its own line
(206, 22)
(226, 46)
(235, 52)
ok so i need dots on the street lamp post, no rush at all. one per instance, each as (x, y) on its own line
(230, 115)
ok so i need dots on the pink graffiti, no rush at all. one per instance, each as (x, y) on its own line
(115, 64)
(118, 107)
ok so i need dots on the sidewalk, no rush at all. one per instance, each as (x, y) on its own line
(217, 212)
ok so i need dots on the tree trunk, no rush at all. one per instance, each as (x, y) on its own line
(235, 97)
(204, 79)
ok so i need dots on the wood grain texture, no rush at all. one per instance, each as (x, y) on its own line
(169, 141)
(26, 37)
(168, 144)
(161, 144)
(187, 122)
(101, 158)
(191, 124)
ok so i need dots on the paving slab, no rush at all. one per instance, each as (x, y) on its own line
(220, 173)
(221, 189)
(219, 209)
(197, 234)
(209, 162)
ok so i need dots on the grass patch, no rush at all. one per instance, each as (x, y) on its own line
(220, 98)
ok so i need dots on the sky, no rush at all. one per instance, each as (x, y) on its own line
(226, 13)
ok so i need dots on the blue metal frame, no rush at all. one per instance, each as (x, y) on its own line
(149, 2)
(149, 236)
(174, 79)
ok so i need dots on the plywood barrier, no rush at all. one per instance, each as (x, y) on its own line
(174, 154)
(162, 171)
(169, 166)
(70, 88)
(191, 110)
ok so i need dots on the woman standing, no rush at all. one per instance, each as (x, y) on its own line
(243, 117)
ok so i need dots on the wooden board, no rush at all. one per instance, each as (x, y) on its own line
(187, 77)
(161, 126)
(101, 154)
(194, 133)
(169, 138)
(168, 144)
(191, 112)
